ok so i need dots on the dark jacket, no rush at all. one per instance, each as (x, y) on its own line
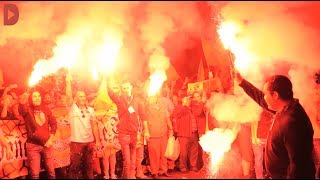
(183, 117)
(198, 111)
(289, 147)
(37, 134)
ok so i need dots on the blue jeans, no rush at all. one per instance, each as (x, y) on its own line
(128, 149)
(34, 153)
(258, 159)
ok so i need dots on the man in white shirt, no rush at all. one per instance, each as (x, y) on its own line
(84, 131)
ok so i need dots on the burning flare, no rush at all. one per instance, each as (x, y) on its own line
(81, 48)
(158, 64)
(217, 143)
(229, 33)
(156, 81)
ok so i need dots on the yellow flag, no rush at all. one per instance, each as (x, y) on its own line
(103, 102)
(201, 75)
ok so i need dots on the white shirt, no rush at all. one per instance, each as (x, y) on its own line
(80, 124)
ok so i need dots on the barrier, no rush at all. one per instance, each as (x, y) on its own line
(15, 133)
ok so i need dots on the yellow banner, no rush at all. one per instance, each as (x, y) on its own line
(209, 85)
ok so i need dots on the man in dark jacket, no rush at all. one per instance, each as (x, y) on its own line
(289, 146)
(187, 133)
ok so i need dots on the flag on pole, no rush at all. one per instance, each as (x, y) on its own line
(201, 75)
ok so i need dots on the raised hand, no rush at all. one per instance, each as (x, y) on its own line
(237, 76)
(68, 78)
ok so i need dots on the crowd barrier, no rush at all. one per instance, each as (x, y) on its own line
(15, 133)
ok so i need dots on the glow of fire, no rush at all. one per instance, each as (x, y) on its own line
(217, 142)
(95, 74)
(156, 81)
(105, 55)
(65, 56)
(69, 52)
(229, 35)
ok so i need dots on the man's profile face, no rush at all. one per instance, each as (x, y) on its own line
(268, 97)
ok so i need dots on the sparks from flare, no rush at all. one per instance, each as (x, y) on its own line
(217, 142)
(72, 52)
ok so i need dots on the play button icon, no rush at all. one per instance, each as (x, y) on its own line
(11, 14)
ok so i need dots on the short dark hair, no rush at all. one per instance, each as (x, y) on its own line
(282, 85)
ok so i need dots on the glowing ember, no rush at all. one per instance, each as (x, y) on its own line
(217, 143)
(156, 81)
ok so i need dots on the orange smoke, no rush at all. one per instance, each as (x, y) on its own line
(75, 52)
(158, 64)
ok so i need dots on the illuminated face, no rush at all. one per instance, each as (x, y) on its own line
(81, 98)
(270, 99)
(197, 97)
(115, 88)
(62, 101)
(36, 98)
(47, 99)
(186, 101)
(126, 89)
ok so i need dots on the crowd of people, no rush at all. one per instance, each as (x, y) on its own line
(121, 117)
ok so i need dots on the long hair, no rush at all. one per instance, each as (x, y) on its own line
(30, 97)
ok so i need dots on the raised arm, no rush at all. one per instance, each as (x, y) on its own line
(69, 90)
(256, 94)
(95, 130)
(115, 98)
(23, 106)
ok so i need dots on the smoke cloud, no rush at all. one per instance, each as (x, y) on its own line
(282, 38)
(78, 30)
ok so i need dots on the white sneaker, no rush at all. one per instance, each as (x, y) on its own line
(106, 177)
